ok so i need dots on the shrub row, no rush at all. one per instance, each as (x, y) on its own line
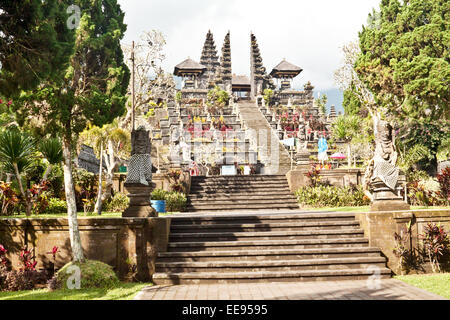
(175, 201)
(332, 196)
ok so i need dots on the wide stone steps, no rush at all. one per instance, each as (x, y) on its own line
(269, 254)
(272, 265)
(284, 217)
(269, 276)
(219, 193)
(267, 235)
(248, 227)
(267, 244)
(267, 247)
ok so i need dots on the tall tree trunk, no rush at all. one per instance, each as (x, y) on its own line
(98, 204)
(47, 172)
(22, 191)
(74, 232)
(110, 164)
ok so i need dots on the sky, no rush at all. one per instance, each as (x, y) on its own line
(309, 34)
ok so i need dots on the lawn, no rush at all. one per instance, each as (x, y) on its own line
(125, 291)
(435, 283)
(362, 208)
(80, 215)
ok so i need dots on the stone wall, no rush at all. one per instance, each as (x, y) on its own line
(336, 177)
(379, 228)
(119, 242)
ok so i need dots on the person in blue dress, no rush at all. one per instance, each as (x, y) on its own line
(322, 151)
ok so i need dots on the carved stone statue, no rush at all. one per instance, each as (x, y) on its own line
(139, 179)
(382, 174)
(140, 165)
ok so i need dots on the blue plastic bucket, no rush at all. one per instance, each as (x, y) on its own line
(159, 205)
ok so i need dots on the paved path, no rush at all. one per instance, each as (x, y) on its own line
(389, 289)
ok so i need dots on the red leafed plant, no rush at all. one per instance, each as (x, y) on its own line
(436, 244)
(27, 259)
(444, 182)
(3, 260)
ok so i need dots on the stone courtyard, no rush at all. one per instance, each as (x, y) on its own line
(387, 289)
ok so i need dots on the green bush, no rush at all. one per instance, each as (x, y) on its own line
(56, 205)
(175, 201)
(94, 274)
(118, 203)
(159, 194)
(331, 196)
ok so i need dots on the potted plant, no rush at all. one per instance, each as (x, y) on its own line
(158, 200)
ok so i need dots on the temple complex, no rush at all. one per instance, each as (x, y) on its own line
(214, 120)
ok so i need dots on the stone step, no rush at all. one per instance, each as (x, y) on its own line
(241, 206)
(269, 254)
(268, 244)
(240, 195)
(272, 265)
(220, 185)
(265, 276)
(184, 218)
(240, 178)
(235, 190)
(266, 235)
(246, 227)
(258, 201)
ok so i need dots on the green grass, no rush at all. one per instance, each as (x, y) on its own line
(435, 283)
(362, 208)
(125, 291)
(80, 215)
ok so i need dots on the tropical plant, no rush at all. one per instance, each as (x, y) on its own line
(436, 244)
(8, 199)
(331, 196)
(345, 128)
(51, 149)
(17, 151)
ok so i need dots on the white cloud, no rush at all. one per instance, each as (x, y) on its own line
(306, 33)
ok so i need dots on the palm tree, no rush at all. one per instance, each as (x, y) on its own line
(17, 152)
(345, 128)
(108, 142)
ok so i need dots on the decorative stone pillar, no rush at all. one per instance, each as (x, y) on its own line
(139, 179)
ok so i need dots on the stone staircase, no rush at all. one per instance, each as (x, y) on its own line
(254, 120)
(267, 248)
(242, 192)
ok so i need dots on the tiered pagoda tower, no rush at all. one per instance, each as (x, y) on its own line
(257, 70)
(210, 60)
(225, 64)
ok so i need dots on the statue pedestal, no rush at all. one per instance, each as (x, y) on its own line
(384, 199)
(140, 205)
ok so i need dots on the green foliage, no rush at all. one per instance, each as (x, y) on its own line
(56, 205)
(268, 95)
(159, 194)
(51, 149)
(85, 187)
(94, 274)
(175, 201)
(351, 102)
(345, 128)
(218, 97)
(35, 43)
(118, 203)
(16, 148)
(178, 96)
(331, 196)
(404, 58)
(322, 103)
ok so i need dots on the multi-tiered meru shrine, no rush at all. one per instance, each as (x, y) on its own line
(245, 130)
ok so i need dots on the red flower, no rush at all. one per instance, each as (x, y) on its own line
(9, 102)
